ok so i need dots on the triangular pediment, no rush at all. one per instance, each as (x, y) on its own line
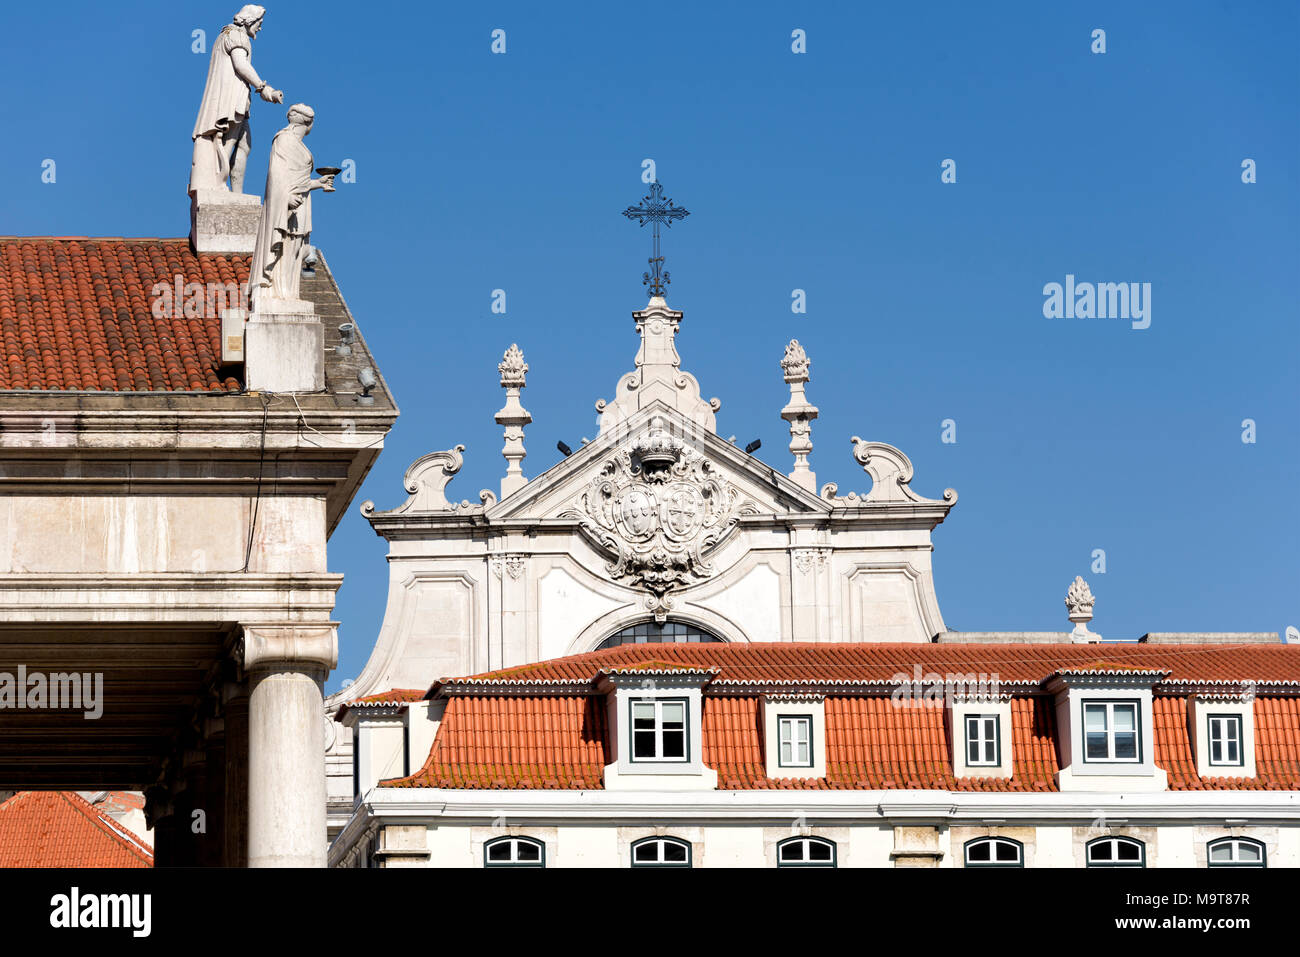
(757, 486)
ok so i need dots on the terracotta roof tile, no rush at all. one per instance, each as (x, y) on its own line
(62, 829)
(879, 662)
(557, 738)
(75, 314)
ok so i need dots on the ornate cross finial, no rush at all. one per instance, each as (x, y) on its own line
(655, 209)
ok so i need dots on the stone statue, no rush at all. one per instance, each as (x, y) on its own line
(285, 226)
(221, 133)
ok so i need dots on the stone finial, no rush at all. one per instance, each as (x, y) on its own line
(799, 413)
(796, 363)
(514, 417)
(513, 368)
(1078, 603)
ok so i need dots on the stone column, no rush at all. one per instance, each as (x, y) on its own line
(286, 666)
(235, 816)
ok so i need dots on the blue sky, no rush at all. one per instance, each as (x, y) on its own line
(818, 171)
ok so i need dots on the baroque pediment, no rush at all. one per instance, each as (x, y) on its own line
(560, 488)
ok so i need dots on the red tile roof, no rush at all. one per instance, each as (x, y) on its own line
(555, 737)
(75, 314)
(880, 662)
(62, 829)
(384, 699)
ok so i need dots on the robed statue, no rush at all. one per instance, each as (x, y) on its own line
(221, 133)
(285, 227)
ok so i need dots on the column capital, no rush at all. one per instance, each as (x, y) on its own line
(299, 645)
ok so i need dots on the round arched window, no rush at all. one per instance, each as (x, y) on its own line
(652, 633)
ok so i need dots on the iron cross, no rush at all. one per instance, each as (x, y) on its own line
(655, 209)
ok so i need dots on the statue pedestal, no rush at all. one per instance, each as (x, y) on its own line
(284, 347)
(224, 222)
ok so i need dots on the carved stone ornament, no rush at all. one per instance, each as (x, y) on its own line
(426, 483)
(891, 478)
(1079, 600)
(658, 509)
(513, 367)
(795, 363)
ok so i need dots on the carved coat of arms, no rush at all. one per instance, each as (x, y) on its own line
(658, 508)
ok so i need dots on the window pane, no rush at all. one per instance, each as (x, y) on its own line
(1007, 852)
(674, 853)
(1127, 851)
(979, 852)
(792, 852)
(1094, 717)
(818, 851)
(1102, 851)
(1248, 852)
(786, 756)
(643, 713)
(674, 713)
(1221, 853)
(1126, 744)
(499, 851)
(674, 744)
(1125, 717)
(643, 744)
(1216, 752)
(1097, 745)
(527, 851)
(644, 853)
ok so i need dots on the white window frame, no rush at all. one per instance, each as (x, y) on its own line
(983, 721)
(658, 705)
(1109, 709)
(514, 841)
(1235, 843)
(805, 843)
(994, 842)
(660, 843)
(1222, 722)
(1116, 841)
(791, 723)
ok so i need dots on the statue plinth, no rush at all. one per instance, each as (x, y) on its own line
(284, 347)
(224, 222)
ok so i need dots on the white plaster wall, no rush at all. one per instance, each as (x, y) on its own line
(564, 607)
(753, 603)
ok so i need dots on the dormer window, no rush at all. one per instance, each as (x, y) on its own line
(794, 735)
(659, 730)
(1105, 716)
(1225, 740)
(794, 741)
(655, 716)
(979, 731)
(983, 740)
(1111, 731)
(1221, 725)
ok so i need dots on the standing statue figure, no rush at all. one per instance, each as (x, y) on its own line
(285, 226)
(221, 133)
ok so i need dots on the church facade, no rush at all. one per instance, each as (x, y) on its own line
(663, 652)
